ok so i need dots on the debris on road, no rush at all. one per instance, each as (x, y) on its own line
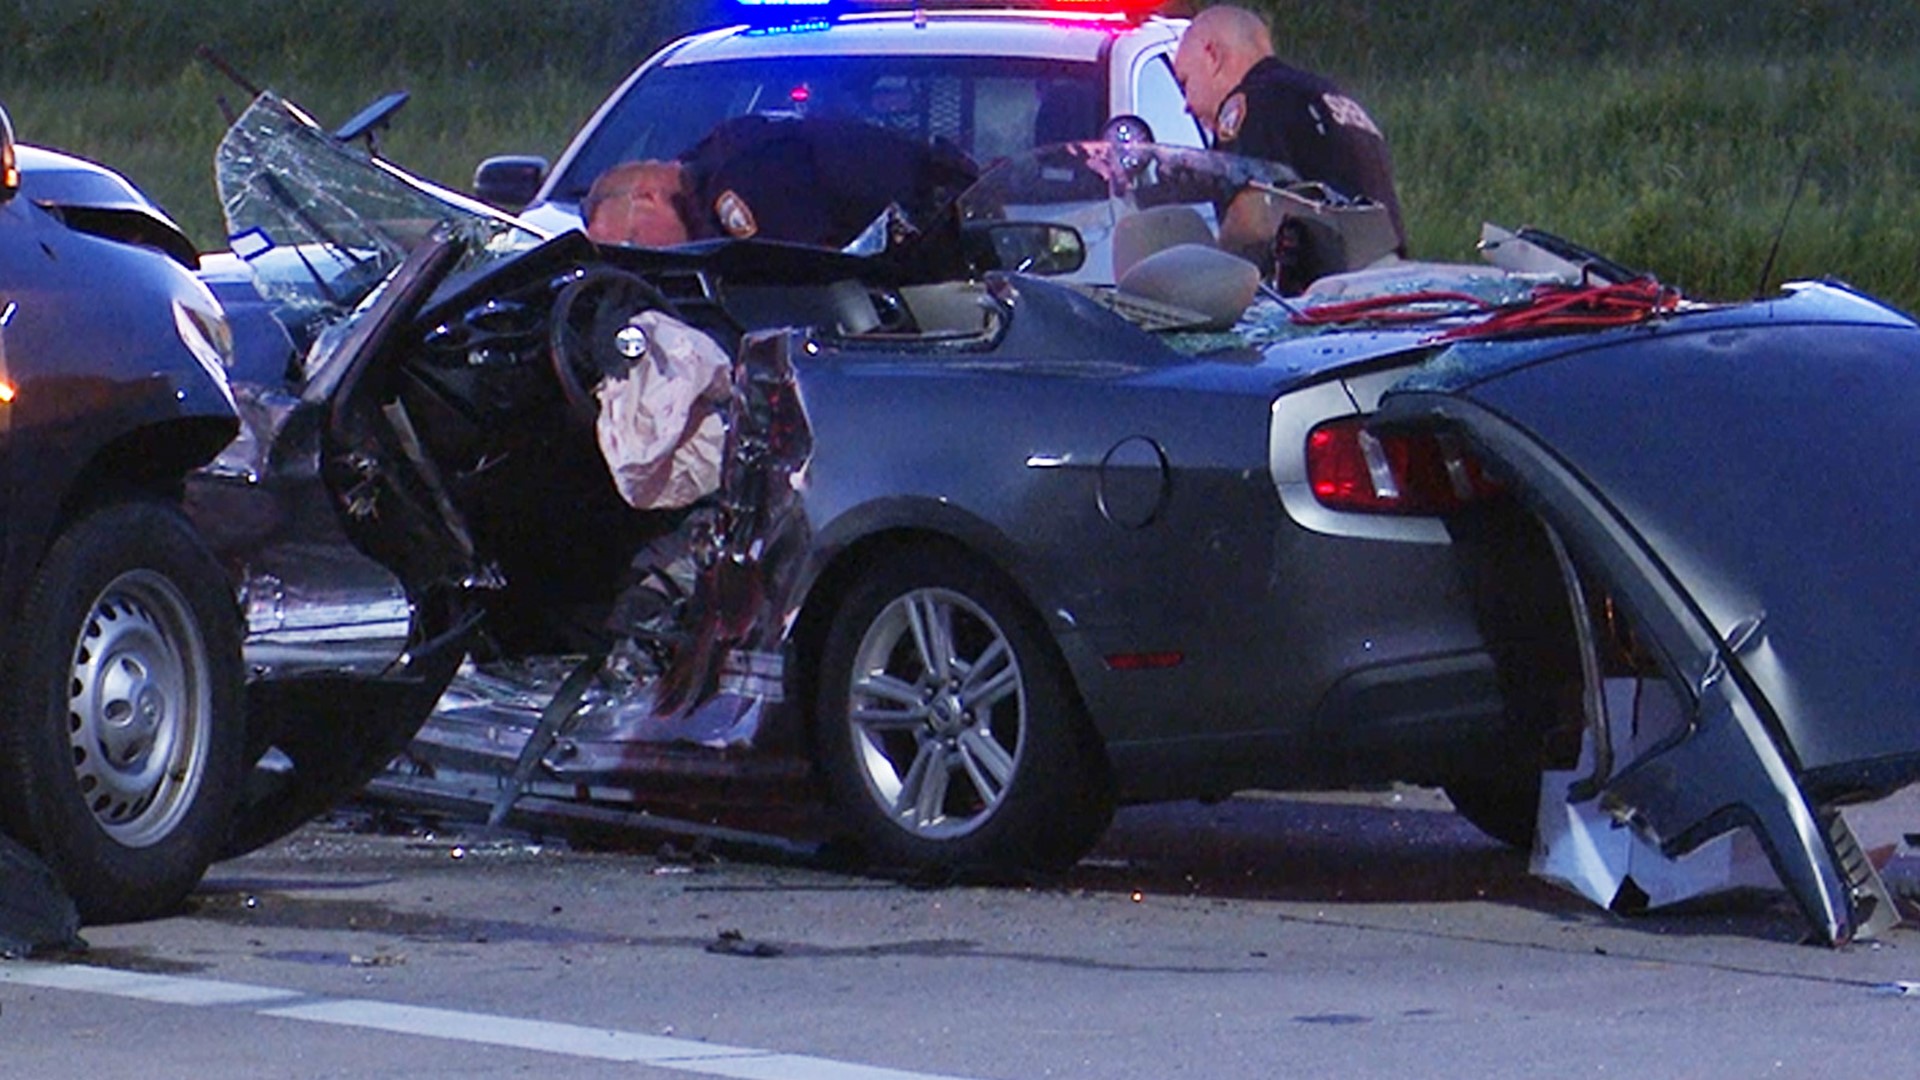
(734, 943)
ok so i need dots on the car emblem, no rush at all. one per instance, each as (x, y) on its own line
(1233, 113)
(736, 217)
(631, 342)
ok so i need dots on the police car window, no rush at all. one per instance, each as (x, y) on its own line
(1157, 100)
(991, 107)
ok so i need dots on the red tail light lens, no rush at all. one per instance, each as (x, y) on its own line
(1354, 468)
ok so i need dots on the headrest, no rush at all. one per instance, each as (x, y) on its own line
(1137, 236)
(1198, 277)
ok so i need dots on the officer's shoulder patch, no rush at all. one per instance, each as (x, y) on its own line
(736, 217)
(1233, 113)
(1348, 113)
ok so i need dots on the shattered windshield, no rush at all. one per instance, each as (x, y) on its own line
(322, 223)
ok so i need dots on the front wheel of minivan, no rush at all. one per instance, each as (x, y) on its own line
(121, 738)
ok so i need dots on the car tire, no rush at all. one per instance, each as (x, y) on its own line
(121, 741)
(950, 738)
(1504, 807)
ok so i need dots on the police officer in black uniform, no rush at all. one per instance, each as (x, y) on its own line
(815, 180)
(1257, 107)
(818, 181)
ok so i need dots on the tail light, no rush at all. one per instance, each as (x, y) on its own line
(1354, 468)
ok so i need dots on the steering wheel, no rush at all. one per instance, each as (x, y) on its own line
(590, 338)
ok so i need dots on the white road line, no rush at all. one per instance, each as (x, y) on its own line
(165, 989)
(542, 1035)
(571, 1040)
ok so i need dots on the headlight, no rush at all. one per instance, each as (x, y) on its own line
(203, 329)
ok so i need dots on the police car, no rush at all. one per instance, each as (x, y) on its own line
(994, 77)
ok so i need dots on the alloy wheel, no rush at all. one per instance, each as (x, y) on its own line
(938, 712)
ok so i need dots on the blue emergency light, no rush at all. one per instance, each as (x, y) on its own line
(764, 10)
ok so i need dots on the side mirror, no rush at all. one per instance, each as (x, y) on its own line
(509, 181)
(369, 122)
(9, 165)
(1027, 247)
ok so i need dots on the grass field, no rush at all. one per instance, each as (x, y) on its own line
(1669, 135)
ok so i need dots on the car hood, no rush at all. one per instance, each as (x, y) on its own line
(1739, 482)
(53, 178)
(98, 200)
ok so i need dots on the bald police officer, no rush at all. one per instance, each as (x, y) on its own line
(1257, 107)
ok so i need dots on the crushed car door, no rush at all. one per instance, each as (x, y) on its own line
(385, 486)
(1739, 483)
(332, 731)
(349, 250)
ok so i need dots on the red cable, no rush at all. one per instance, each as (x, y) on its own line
(1548, 307)
(1561, 307)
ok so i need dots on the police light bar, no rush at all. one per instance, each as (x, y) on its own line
(769, 11)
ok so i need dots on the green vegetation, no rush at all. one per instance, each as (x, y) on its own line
(1669, 135)
(118, 80)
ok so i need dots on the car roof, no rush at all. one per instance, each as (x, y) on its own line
(1070, 36)
(1032, 34)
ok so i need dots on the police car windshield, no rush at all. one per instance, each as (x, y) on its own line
(990, 107)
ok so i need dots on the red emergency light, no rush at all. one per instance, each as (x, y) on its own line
(1137, 9)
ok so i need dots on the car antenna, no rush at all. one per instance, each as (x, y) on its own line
(219, 63)
(1800, 181)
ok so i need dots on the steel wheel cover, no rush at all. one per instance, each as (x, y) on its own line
(139, 708)
(938, 711)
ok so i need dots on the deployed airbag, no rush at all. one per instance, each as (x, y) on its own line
(660, 426)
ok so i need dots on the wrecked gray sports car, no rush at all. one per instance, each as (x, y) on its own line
(972, 554)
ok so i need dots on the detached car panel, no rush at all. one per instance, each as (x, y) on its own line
(1735, 481)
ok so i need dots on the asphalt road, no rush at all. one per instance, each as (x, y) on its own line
(1373, 935)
